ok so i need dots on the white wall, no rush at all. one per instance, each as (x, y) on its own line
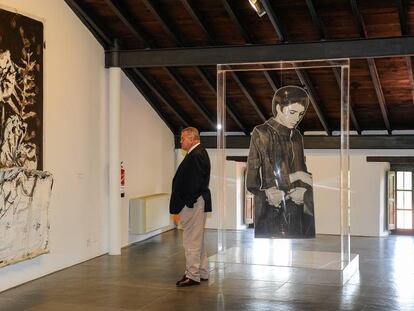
(76, 147)
(147, 149)
(367, 190)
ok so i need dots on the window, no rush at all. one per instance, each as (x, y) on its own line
(404, 200)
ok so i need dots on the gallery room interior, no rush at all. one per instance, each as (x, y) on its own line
(315, 214)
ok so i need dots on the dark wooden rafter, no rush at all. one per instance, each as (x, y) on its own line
(197, 17)
(105, 41)
(96, 31)
(195, 100)
(177, 79)
(323, 33)
(242, 30)
(314, 99)
(372, 66)
(274, 20)
(236, 20)
(164, 97)
(324, 142)
(303, 77)
(402, 12)
(213, 55)
(246, 93)
(233, 114)
(151, 99)
(162, 20)
(131, 24)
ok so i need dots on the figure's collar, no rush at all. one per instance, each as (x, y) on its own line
(192, 148)
(281, 129)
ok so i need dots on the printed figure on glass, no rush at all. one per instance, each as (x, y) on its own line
(276, 171)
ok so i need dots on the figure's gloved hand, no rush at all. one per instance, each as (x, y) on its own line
(302, 176)
(296, 194)
(274, 196)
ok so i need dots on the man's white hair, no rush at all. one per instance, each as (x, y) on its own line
(192, 133)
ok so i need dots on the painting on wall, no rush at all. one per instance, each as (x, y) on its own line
(276, 170)
(24, 188)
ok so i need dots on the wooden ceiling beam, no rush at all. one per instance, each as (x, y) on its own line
(271, 14)
(305, 80)
(151, 99)
(207, 56)
(323, 142)
(198, 18)
(303, 76)
(166, 25)
(194, 99)
(229, 106)
(230, 11)
(128, 21)
(105, 40)
(164, 97)
(246, 93)
(402, 12)
(174, 75)
(323, 34)
(316, 20)
(372, 67)
(96, 30)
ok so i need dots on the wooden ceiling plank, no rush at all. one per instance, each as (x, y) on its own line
(127, 20)
(195, 100)
(246, 93)
(164, 97)
(195, 14)
(96, 31)
(150, 99)
(372, 67)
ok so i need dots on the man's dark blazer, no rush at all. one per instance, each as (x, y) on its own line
(191, 181)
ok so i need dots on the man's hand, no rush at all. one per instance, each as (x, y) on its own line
(274, 196)
(296, 194)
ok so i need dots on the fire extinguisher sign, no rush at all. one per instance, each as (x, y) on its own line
(122, 180)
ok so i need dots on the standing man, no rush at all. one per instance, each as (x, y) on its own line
(191, 199)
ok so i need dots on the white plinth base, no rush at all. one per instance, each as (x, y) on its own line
(311, 267)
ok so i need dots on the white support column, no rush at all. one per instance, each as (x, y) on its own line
(114, 161)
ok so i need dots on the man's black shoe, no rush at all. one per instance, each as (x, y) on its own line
(187, 282)
(180, 280)
(204, 280)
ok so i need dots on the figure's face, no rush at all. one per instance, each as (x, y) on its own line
(186, 141)
(290, 115)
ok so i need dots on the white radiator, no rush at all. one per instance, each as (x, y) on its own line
(149, 213)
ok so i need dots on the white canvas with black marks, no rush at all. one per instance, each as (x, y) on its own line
(24, 188)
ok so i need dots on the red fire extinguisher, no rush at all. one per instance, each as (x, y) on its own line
(122, 179)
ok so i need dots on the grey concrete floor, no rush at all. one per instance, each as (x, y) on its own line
(144, 276)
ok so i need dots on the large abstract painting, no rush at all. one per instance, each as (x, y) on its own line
(276, 170)
(24, 188)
